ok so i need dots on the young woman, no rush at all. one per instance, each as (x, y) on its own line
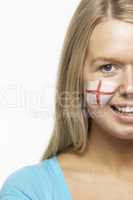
(90, 152)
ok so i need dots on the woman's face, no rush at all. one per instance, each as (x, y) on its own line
(110, 60)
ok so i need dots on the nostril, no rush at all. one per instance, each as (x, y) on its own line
(129, 95)
(128, 89)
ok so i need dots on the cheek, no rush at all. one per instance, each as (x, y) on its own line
(93, 112)
(99, 92)
(96, 111)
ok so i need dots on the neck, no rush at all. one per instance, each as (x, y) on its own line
(108, 153)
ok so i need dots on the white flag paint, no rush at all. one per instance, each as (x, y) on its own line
(99, 91)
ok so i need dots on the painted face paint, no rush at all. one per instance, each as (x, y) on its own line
(99, 92)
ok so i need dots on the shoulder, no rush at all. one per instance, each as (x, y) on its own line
(29, 182)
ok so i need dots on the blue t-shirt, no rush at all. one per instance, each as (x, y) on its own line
(42, 181)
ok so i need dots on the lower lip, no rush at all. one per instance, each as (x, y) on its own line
(124, 118)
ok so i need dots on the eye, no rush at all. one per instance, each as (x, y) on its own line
(108, 68)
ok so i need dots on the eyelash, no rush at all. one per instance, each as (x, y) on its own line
(102, 66)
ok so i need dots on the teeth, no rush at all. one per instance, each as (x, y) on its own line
(125, 109)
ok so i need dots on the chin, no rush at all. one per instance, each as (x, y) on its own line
(124, 135)
(116, 131)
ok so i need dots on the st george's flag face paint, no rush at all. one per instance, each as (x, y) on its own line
(99, 92)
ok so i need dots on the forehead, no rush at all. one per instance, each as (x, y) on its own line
(112, 38)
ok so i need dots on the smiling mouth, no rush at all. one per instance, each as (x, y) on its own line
(125, 110)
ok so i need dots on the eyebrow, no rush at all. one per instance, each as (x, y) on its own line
(104, 59)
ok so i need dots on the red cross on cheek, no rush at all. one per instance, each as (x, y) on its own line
(98, 93)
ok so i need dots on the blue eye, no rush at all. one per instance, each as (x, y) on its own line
(106, 68)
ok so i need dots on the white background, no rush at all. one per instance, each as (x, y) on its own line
(31, 38)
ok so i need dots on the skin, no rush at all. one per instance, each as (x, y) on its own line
(109, 155)
(111, 142)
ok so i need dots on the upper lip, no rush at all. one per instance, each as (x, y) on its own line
(122, 105)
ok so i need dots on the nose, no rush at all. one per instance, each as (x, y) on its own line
(126, 87)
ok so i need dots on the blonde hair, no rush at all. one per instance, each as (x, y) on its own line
(72, 121)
